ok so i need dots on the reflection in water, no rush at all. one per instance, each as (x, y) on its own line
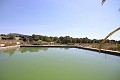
(23, 50)
(105, 56)
(66, 48)
(10, 51)
(37, 49)
(31, 49)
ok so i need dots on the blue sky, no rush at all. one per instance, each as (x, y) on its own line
(76, 18)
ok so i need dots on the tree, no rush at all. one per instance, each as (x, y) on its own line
(2, 35)
(55, 39)
(35, 37)
(104, 40)
(74, 40)
(103, 1)
(85, 40)
(11, 36)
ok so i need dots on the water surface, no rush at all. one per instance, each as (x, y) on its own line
(58, 64)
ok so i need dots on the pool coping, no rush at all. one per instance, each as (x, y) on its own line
(9, 47)
(117, 53)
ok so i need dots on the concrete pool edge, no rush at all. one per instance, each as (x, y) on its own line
(116, 53)
(9, 47)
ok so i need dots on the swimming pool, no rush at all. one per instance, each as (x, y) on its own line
(45, 63)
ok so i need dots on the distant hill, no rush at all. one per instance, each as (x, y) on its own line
(17, 34)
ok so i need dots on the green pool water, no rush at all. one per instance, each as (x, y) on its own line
(57, 64)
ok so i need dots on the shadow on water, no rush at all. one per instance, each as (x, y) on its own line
(110, 53)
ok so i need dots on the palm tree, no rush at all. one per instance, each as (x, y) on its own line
(103, 41)
(103, 1)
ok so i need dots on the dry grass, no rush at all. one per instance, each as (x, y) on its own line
(10, 42)
(107, 46)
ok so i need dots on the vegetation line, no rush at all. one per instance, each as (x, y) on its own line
(12, 39)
